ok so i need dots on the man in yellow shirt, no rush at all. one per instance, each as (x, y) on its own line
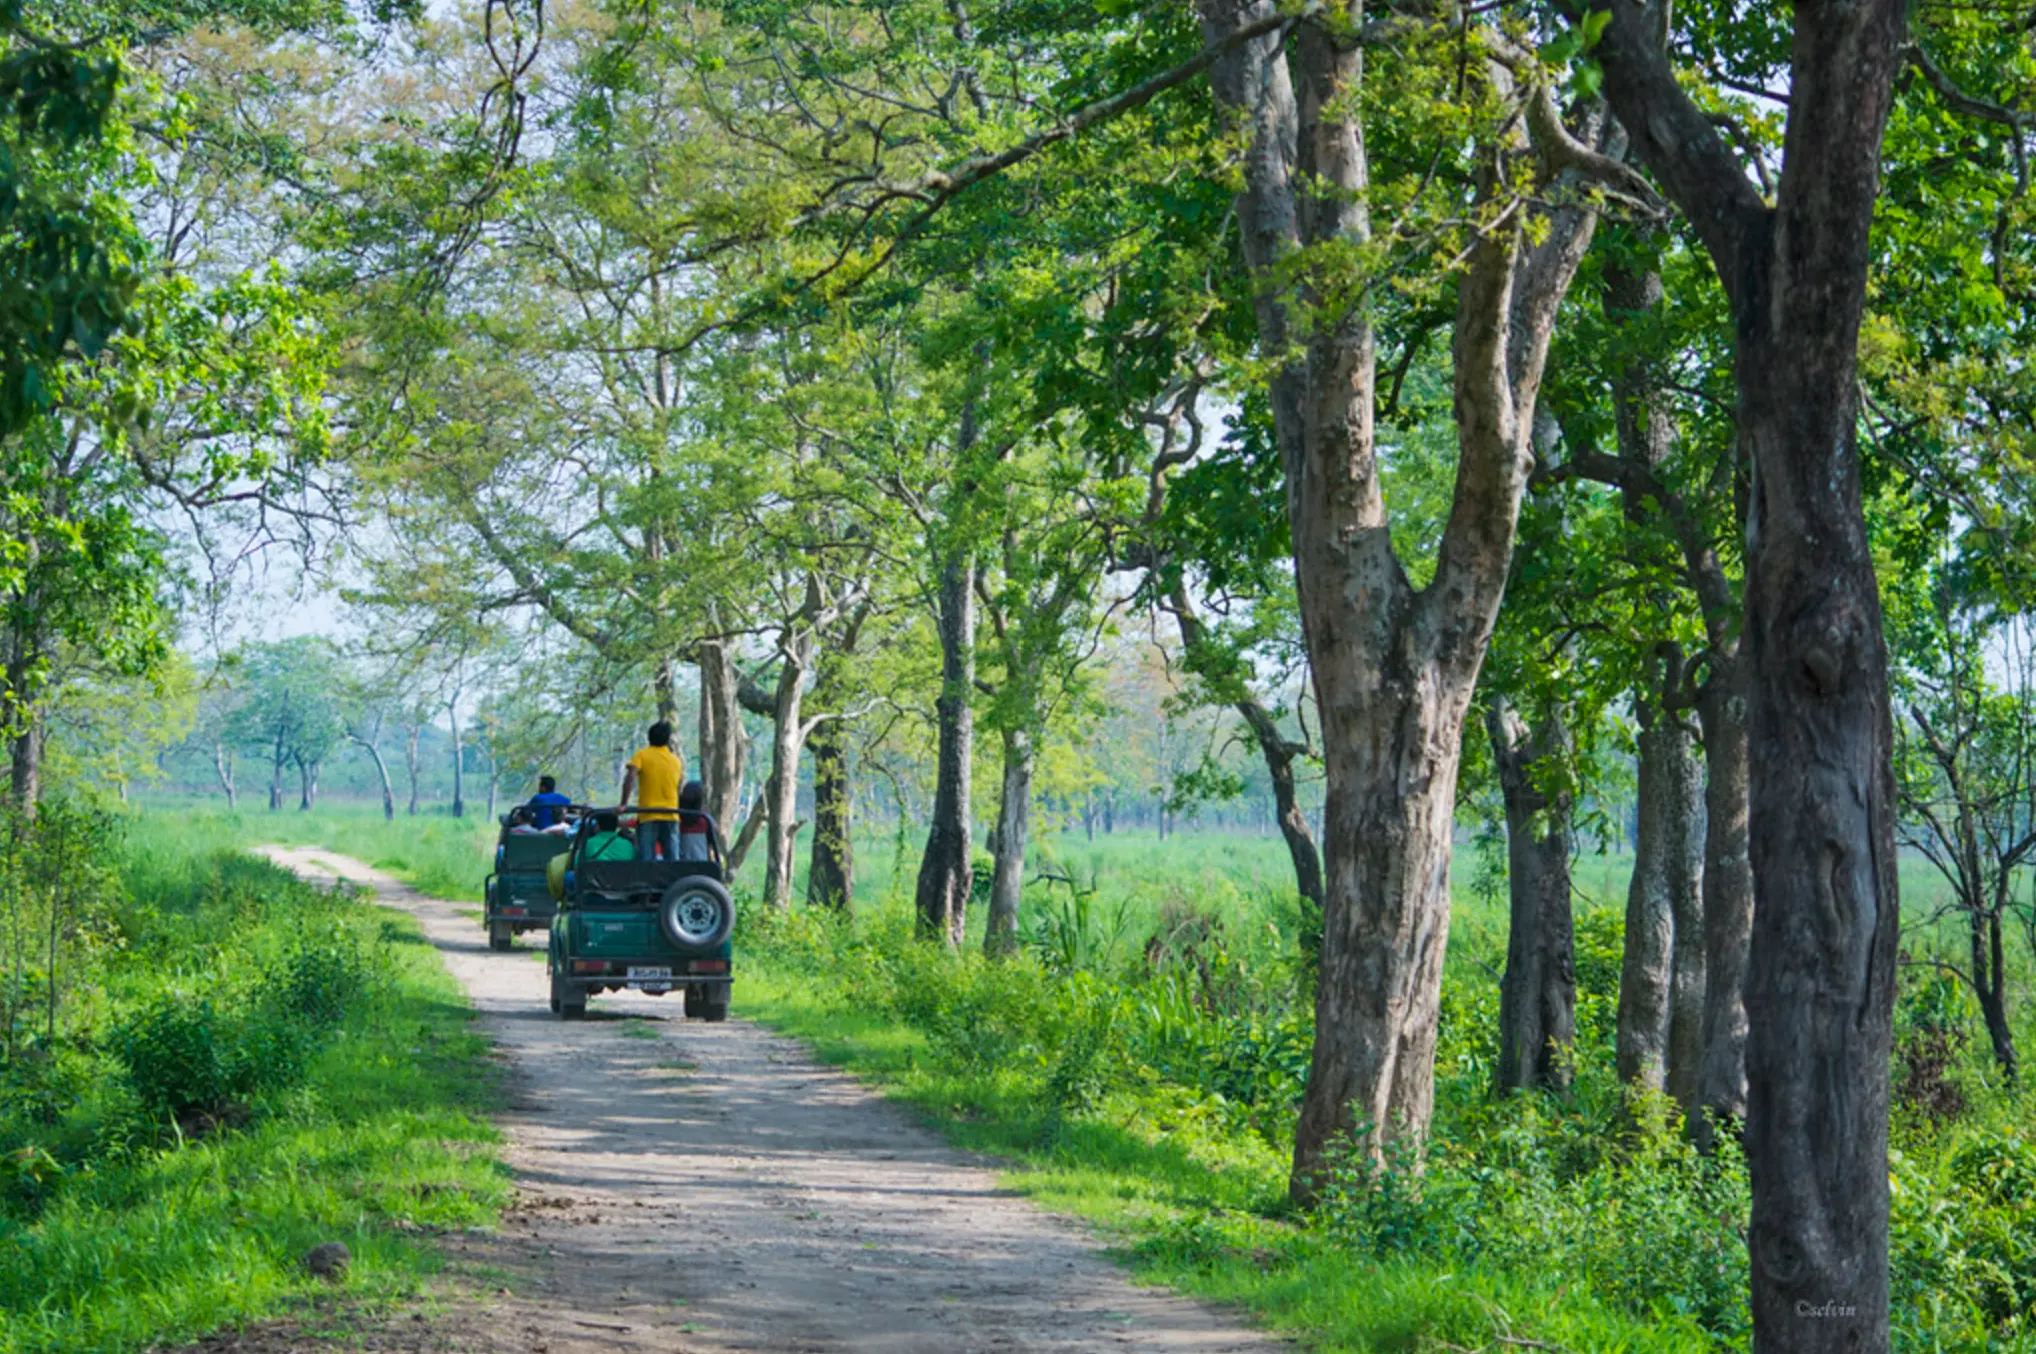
(655, 774)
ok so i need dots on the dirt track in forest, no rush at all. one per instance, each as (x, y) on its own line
(711, 1189)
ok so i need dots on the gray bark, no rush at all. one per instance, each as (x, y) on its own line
(222, 766)
(1537, 995)
(1662, 890)
(1014, 825)
(1393, 667)
(946, 871)
(1826, 917)
(830, 870)
(25, 765)
(781, 792)
(724, 743)
(411, 733)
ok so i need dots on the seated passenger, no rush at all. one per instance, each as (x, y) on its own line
(696, 829)
(545, 805)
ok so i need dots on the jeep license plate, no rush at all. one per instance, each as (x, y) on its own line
(646, 979)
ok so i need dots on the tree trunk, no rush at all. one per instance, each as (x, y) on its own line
(1728, 890)
(830, 870)
(738, 850)
(1014, 826)
(413, 732)
(25, 765)
(459, 761)
(1687, 956)
(20, 711)
(1990, 985)
(1393, 667)
(1664, 871)
(664, 688)
(1537, 995)
(280, 758)
(946, 871)
(724, 743)
(222, 766)
(381, 770)
(1821, 967)
(782, 793)
(306, 774)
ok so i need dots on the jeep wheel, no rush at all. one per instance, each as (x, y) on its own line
(500, 936)
(565, 1002)
(697, 915)
(713, 1004)
(696, 1000)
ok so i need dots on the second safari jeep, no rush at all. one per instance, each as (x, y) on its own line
(515, 897)
(641, 925)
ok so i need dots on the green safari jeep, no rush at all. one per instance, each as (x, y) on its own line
(641, 925)
(516, 897)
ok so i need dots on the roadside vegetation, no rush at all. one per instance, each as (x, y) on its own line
(1140, 1061)
(212, 1070)
(1146, 1077)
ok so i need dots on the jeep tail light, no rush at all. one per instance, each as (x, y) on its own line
(710, 966)
(590, 966)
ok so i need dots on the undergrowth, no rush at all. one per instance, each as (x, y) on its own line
(246, 1067)
(1149, 1082)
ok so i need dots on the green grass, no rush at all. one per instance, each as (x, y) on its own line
(444, 856)
(1190, 1188)
(1188, 1203)
(147, 1236)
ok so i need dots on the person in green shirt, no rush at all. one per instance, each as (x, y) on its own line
(654, 774)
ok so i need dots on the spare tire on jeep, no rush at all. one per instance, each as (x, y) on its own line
(697, 915)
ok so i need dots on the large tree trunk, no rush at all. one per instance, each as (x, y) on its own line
(664, 688)
(1820, 976)
(1014, 826)
(1663, 890)
(724, 743)
(1646, 433)
(946, 871)
(307, 775)
(279, 758)
(1537, 995)
(1393, 668)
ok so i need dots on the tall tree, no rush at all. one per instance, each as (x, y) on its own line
(1393, 666)
(1820, 981)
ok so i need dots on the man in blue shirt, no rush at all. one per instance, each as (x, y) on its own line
(545, 804)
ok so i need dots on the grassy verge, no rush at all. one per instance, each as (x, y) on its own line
(183, 1144)
(1192, 1203)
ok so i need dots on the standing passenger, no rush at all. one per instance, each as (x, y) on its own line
(654, 774)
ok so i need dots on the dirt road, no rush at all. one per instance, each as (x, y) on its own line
(700, 1189)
